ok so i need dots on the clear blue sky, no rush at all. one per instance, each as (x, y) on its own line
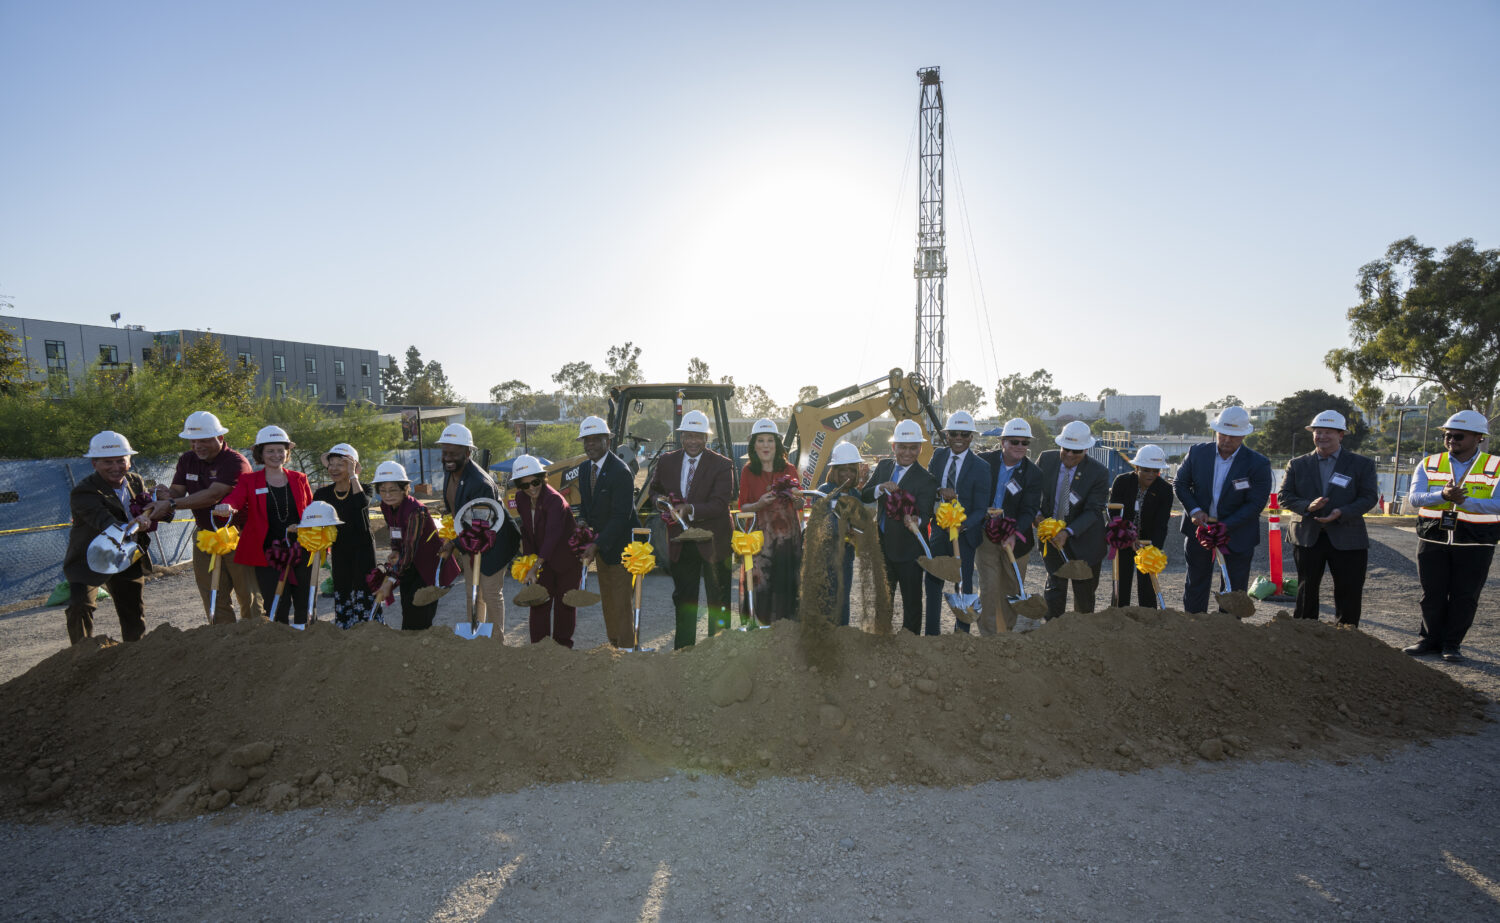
(1167, 197)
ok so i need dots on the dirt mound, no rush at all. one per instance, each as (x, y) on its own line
(262, 716)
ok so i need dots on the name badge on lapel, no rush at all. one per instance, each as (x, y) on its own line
(1241, 483)
(395, 533)
(261, 490)
(1072, 498)
(1339, 480)
(192, 477)
(1011, 487)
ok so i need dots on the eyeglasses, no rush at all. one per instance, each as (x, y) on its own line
(1457, 437)
(1073, 451)
(529, 483)
(959, 434)
(1018, 442)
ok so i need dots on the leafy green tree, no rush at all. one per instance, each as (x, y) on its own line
(1178, 422)
(1286, 433)
(1107, 392)
(807, 393)
(698, 373)
(393, 385)
(205, 367)
(490, 434)
(753, 401)
(1228, 400)
(964, 395)
(15, 371)
(1435, 319)
(517, 397)
(553, 441)
(1020, 395)
(421, 383)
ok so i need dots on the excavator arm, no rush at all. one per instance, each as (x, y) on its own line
(819, 423)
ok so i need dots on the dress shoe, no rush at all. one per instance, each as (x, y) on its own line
(1420, 648)
(1453, 656)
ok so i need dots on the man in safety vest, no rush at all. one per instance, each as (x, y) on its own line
(1458, 509)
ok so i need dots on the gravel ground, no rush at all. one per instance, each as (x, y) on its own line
(1411, 835)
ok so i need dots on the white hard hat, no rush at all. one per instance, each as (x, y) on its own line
(1077, 436)
(1328, 419)
(390, 473)
(202, 425)
(1016, 426)
(960, 421)
(319, 514)
(1233, 421)
(108, 444)
(845, 454)
(695, 421)
(593, 426)
(525, 466)
(456, 434)
(908, 431)
(344, 449)
(1149, 456)
(764, 425)
(270, 434)
(1470, 421)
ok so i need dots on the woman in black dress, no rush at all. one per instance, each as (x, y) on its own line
(1147, 498)
(353, 552)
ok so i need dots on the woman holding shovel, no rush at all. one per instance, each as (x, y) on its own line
(353, 552)
(273, 499)
(415, 543)
(768, 488)
(1144, 498)
(546, 526)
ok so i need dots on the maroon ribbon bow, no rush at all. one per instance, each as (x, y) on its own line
(786, 487)
(1213, 535)
(1000, 529)
(282, 554)
(899, 504)
(666, 515)
(477, 537)
(581, 538)
(1121, 533)
(138, 505)
(376, 577)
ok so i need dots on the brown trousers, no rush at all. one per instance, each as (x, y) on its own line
(491, 592)
(125, 588)
(237, 581)
(996, 581)
(617, 600)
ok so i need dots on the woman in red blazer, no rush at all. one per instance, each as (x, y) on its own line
(273, 499)
(546, 526)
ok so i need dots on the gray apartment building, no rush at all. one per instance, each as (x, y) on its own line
(324, 373)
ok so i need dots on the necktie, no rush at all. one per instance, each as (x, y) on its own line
(952, 475)
(1060, 502)
(692, 470)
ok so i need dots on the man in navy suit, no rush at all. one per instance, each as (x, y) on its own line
(607, 505)
(1075, 489)
(963, 476)
(1016, 491)
(900, 546)
(1225, 481)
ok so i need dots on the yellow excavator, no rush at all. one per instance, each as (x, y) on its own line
(818, 424)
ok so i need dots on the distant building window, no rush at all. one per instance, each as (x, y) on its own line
(278, 388)
(338, 367)
(244, 360)
(364, 391)
(278, 363)
(146, 353)
(57, 356)
(110, 354)
(364, 370)
(340, 392)
(312, 389)
(311, 364)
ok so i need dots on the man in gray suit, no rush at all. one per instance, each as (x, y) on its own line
(1330, 489)
(1075, 489)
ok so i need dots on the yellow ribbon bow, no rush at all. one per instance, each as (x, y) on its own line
(747, 545)
(317, 538)
(1046, 529)
(639, 558)
(522, 565)
(446, 532)
(951, 515)
(1150, 560)
(218, 542)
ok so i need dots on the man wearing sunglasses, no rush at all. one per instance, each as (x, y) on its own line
(1016, 490)
(961, 476)
(1454, 493)
(1075, 489)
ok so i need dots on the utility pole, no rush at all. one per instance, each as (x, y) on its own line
(931, 266)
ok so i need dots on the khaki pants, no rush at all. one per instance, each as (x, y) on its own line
(996, 582)
(618, 602)
(237, 581)
(491, 592)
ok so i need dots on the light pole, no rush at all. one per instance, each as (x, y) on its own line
(1401, 413)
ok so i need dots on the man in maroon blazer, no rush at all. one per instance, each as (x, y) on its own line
(699, 484)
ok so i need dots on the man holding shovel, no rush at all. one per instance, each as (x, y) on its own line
(464, 480)
(963, 479)
(696, 485)
(901, 540)
(1075, 489)
(1227, 482)
(1016, 491)
(607, 505)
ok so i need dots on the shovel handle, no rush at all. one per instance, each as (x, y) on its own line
(917, 532)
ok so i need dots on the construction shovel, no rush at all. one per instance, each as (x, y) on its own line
(1033, 607)
(640, 535)
(1236, 602)
(688, 533)
(472, 628)
(945, 568)
(1115, 511)
(581, 597)
(744, 522)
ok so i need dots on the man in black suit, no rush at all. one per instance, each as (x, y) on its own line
(1075, 489)
(99, 501)
(1016, 490)
(1226, 481)
(900, 546)
(1330, 489)
(607, 505)
(700, 482)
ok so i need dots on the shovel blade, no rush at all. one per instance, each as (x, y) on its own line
(470, 632)
(1075, 570)
(1033, 607)
(965, 606)
(945, 568)
(1237, 603)
(301, 627)
(580, 598)
(533, 595)
(429, 594)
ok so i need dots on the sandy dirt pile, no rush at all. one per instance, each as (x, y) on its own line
(259, 715)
